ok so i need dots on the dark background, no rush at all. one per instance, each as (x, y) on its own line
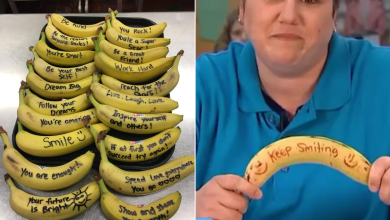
(96, 6)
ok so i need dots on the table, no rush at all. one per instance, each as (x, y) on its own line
(18, 32)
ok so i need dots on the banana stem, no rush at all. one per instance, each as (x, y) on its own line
(28, 92)
(5, 138)
(36, 56)
(43, 36)
(93, 101)
(48, 20)
(93, 132)
(112, 14)
(101, 37)
(95, 78)
(96, 43)
(103, 187)
(175, 65)
(108, 24)
(20, 126)
(9, 181)
(21, 97)
(103, 153)
(30, 68)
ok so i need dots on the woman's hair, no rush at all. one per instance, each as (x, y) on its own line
(224, 38)
(336, 4)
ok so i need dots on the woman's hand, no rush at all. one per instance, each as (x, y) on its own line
(222, 198)
(379, 178)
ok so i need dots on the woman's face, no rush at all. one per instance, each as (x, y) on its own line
(237, 32)
(288, 31)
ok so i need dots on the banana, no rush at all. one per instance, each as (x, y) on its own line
(144, 32)
(130, 73)
(143, 182)
(43, 178)
(160, 88)
(133, 122)
(51, 125)
(52, 208)
(64, 107)
(130, 103)
(133, 43)
(62, 58)
(57, 145)
(65, 42)
(76, 30)
(116, 209)
(61, 75)
(56, 91)
(307, 149)
(130, 56)
(135, 151)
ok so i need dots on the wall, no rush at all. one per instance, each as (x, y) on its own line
(203, 46)
(3, 6)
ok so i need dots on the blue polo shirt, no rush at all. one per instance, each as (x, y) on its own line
(351, 104)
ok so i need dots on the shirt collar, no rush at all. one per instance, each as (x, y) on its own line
(332, 90)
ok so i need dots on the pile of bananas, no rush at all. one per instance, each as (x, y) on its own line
(99, 80)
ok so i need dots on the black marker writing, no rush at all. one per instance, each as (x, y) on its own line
(123, 209)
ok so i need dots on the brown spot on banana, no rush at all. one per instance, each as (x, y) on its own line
(13, 163)
(102, 113)
(171, 77)
(12, 159)
(30, 116)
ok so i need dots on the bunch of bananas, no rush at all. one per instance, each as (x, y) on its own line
(101, 78)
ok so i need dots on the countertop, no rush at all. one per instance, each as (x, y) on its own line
(18, 32)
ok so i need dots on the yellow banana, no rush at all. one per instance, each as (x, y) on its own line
(43, 178)
(143, 182)
(135, 151)
(65, 42)
(133, 122)
(131, 103)
(61, 75)
(160, 87)
(307, 149)
(130, 56)
(52, 208)
(116, 209)
(144, 32)
(76, 30)
(127, 72)
(133, 43)
(51, 125)
(62, 58)
(57, 145)
(64, 107)
(56, 91)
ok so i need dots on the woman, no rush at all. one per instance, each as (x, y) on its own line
(294, 76)
(232, 31)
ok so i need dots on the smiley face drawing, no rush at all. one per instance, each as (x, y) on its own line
(80, 199)
(261, 167)
(349, 161)
(79, 138)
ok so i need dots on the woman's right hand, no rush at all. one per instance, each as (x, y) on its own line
(222, 198)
